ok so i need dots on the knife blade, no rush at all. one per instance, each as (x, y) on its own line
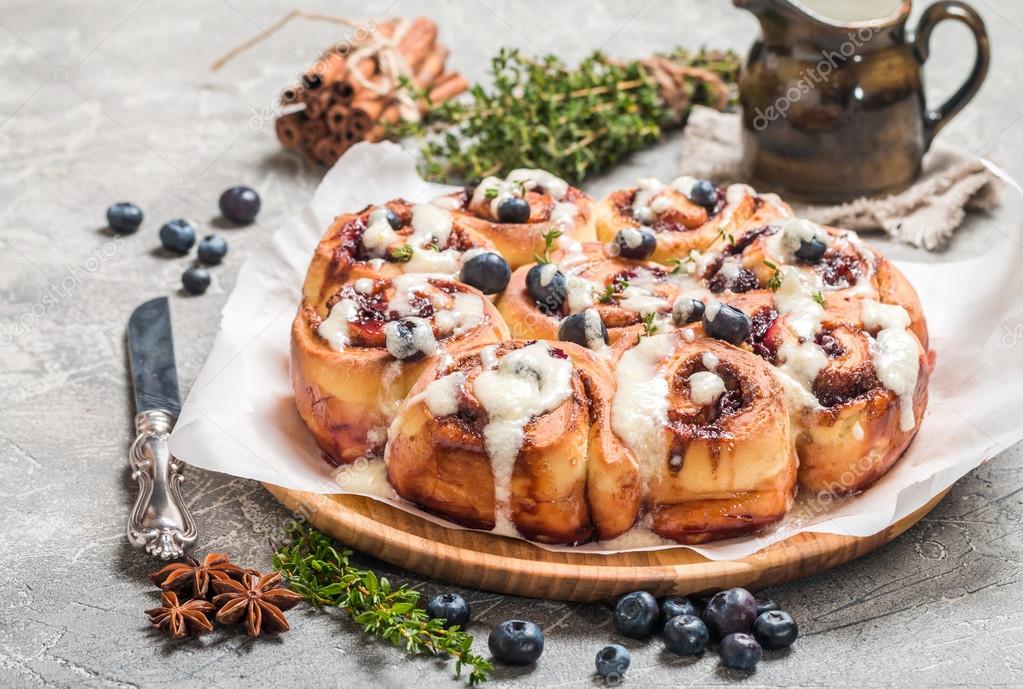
(159, 520)
(154, 374)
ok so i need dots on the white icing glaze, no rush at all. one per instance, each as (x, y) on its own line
(639, 411)
(784, 243)
(593, 331)
(579, 293)
(334, 328)
(379, 234)
(710, 361)
(441, 395)
(705, 387)
(532, 178)
(527, 382)
(563, 214)
(895, 353)
(884, 316)
(364, 286)
(421, 339)
(547, 273)
(641, 300)
(431, 224)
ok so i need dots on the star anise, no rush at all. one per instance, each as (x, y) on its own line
(193, 576)
(181, 619)
(256, 597)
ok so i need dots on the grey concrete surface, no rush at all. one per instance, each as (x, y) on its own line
(104, 101)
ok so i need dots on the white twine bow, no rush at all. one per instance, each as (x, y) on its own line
(384, 49)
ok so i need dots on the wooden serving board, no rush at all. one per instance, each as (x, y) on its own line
(507, 565)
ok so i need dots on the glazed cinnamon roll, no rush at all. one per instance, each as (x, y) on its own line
(685, 215)
(389, 240)
(835, 261)
(514, 213)
(855, 375)
(516, 438)
(356, 354)
(712, 440)
(543, 300)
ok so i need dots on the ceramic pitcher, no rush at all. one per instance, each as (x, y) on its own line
(833, 99)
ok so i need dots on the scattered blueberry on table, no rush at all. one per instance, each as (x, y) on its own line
(124, 217)
(212, 249)
(685, 635)
(177, 235)
(195, 279)
(775, 629)
(240, 205)
(673, 606)
(488, 272)
(766, 605)
(516, 642)
(730, 611)
(636, 614)
(450, 607)
(612, 661)
(740, 651)
(513, 209)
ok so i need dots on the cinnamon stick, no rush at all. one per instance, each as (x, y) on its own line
(336, 116)
(448, 89)
(289, 129)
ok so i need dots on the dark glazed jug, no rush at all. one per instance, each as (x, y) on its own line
(832, 96)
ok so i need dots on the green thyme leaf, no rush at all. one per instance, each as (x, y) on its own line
(773, 282)
(401, 254)
(549, 238)
(324, 576)
(819, 298)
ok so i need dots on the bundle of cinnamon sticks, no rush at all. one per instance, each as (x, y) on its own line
(353, 95)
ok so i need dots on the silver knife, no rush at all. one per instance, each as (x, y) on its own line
(159, 521)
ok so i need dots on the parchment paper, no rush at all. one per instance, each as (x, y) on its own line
(240, 419)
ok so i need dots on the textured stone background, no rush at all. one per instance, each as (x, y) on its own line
(103, 101)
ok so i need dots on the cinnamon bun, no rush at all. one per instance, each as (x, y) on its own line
(680, 223)
(713, 443)
(355, 355)
(387, 241)
(585, 277)
(516, 212)
(516, 437)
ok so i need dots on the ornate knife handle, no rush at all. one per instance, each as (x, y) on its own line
(159, 521)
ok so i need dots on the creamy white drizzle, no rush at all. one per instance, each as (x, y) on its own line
(441, 395)
(334, 328)
(639, 410)
(527, 382)
(784, 243)
(705, 387)
(895, 354)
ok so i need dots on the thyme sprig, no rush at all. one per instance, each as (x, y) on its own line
(572, 121)
(549, 237)
(323, 575)
(773, 282)
(402, 253)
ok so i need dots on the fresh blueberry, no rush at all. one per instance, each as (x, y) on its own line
(775, 629)
(686, 310)
(178, 236)
(729, 612)
(673, 606)
(726, 323)
(239, 205)
(685, 635)
(516, 642)
(584, 329)
(704, 193)
(393, 220)
(124, 217)
(612, 661)
(451, 608)
(409, 339)
(513, 209)
(547, 286)
(636, 614)
(195, 279)
(635, 242)
(740, 652)
(765, 605)
(811, 250)
(488, 272)
(212, 249)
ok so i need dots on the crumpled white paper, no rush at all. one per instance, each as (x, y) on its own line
(240, 419)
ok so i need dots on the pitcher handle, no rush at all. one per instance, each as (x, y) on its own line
(934, 120)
